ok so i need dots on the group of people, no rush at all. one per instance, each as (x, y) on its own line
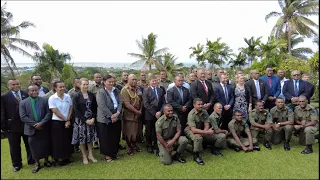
(205, 111)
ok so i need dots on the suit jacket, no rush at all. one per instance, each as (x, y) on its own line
(79, 105)
(197, 91)
(174, 98)
(150, 102)
(105, 105)
(26, 115)
(288, 89)
(275, 89)
(310, 89)
(10, 119)
(220, 96)
(263, 90)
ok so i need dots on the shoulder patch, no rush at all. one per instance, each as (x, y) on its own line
(290, 110)
(246, 125)
(269, 115)
(313, 112)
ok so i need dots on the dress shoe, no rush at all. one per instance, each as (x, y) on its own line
(122, 147)
(216, 152)
(267, 145)
(178, 158)
(307, 150)
(47, 164)
(235, 148)
(198, 159)
(286, 146)
(31, 162)
(16, 169)
(257, 148)
(137, 149)
(157, 152)
(36, 169)
(64, 162)
(150, 150)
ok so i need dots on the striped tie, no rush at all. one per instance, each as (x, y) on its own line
(18, 97)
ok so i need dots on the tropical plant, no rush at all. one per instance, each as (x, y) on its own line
(253, 50)
(50, 62)
(294, 19)
(218, 53)
(299, 53)
(239, 61)
(199, 53)
(168, 63)
(149, 52)
(68, 75)
(10, 39)
(271, 51)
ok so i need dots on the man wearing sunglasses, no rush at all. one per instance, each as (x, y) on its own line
(294, 88)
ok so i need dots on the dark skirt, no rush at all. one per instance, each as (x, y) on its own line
(109, 138)
(39, 144)
(61, 140)
(83, 133)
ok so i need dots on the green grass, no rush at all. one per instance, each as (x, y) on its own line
(265, 164)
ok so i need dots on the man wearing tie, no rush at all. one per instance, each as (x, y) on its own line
(179, 98)
(203, 89)
(12, 124)
(153, 101)
(293, 88)
(274, 87)
(281, 75)
(258, 88)
(225, 96)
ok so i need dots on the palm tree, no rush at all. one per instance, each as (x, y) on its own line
(198, 53)
(271, 51)
(299, 53)
(50, 62)
(10, 37)
(149, 54)
(239, 61)
(168, 63)
(294, 19)
(218, 53)
(252, 51)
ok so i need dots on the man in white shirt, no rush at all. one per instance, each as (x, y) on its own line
(281, 75)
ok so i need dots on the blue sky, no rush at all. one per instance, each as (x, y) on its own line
(105, 31)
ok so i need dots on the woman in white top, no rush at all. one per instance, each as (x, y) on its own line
(61, 132)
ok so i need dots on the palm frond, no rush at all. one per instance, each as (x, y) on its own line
(26, 43)
(272, 14)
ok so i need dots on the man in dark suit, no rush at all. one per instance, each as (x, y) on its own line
(180, 99)
(274, 86)
(293, 88)
(12, 124)
(310, 86)
(203, 89)
(34, 112)
(225, 96)
(153, 101)
(36, 79)
(258, 88)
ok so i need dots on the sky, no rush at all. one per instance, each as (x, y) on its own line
(106, 31)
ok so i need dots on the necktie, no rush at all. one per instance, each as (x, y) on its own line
(226, 94)
(258, 90)
(155, 92)
(204, 87)
(18, 97)
(296, 89)
(181, 94)
(270, 82)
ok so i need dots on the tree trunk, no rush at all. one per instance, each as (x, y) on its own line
(149, 67)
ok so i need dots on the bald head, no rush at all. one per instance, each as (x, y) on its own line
(217, 108)
(33, 91)
(132, 80)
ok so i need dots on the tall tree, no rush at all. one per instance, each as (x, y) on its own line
(50, 62)
(294, 19)
(299, 53)
(218, 53)
(239, 61)
(253, 48)
(149, 52)
(10, 38)
(199, 53)
(271, 51)
(168, 63)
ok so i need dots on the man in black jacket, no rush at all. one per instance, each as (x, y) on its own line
(258, 88)
(12, 124)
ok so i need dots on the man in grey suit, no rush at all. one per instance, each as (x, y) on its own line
(180, 99)
(34, 112)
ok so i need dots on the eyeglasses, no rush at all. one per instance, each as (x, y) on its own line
(302, 101)
(296, 75)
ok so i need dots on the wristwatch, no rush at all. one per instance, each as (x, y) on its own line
(279, 123)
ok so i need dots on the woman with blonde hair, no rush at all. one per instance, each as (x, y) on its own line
(243, 101)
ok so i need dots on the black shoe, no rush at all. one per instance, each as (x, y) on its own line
(216, 152)
(31, 162)
(64, 162)
(122, 147)
(307, 150)
(157, 152)
(257, 148)
(237, 149)
(178, 158)
(47, 164)
(137, 149)
(150, 150)
(286, 146)
(16, 169)
(76, 149)
(198, 160)
(36, 169)
(267, 145)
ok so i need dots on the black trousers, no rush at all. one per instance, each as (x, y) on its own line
(151, 137)
(183, 117)
(14, 139)
(226, 117)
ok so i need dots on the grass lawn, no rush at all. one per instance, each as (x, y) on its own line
(265, 164)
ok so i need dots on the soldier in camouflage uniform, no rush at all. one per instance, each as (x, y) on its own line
(124, 81)
(168, 130)
(240, 136)
(307, 119)
(281, 119)
(164, 82)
